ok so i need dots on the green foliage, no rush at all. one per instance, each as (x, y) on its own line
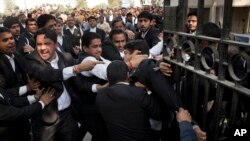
(10, 7)
(115, 3)
(82, 4)
(101, 6)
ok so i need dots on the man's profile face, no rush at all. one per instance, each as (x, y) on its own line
(192, 23)
(127, 55)
(7, 43)
(119, 40)
(51, 24)
(46, 47)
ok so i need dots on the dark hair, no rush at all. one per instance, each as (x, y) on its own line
(140, 45)
(9, 21)
(43, 19)
(211, 30)
(4, 29)
(129, 14)
(48, 33)
(192, 14)
(116, 20)
(29, 20)
(145, 14)
(115, 32)
(92, 17)
(117, 71)
(88, 37)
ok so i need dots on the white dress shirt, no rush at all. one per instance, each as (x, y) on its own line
(157, 49)
(100, 70)
(64, 100)
(92, 29)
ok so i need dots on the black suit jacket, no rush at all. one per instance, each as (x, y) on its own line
(126, 111)
(151, 37)
(86, 97)
(23, 40)
(13, 80)
(110, 52)
(75, 37)
(157, 83)
(50, 77)
(98, 31)
(10, 117)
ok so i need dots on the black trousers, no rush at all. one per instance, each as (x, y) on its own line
(95, 125)
(64, 129)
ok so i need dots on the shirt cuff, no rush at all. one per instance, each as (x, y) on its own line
(68, 72)
(31, 99)
(43, 105)
(94, 88)
(22, 90)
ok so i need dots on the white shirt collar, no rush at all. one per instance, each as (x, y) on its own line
(125, 83)
(93, 29)
(54, 61)
(10, 57)
(143, 34)
(67, 27)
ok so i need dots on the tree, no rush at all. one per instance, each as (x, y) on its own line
(10, 7)
(115, 3)
(82, 4)
(101, 6)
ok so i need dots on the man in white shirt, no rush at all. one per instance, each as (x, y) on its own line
(56, 70)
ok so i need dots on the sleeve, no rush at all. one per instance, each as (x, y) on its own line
(10, 113)
(22, 90)
(146, 74)
(186, 132)
(109, 52)
(82, 84)
(150, 105)
(68, 73)
(41, 73)
(154, 38)
(100, 70)
(157, 49)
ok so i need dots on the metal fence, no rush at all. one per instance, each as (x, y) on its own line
(230, 85)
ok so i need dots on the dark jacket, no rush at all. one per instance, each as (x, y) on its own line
(151, 37)
(11, 116)
(110, 52)
(50, 78)
(98, 31)
(13, 79)
(126, 111)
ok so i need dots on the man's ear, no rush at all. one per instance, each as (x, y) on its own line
(84, 48)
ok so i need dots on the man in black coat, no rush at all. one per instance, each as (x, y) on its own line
(56, 70)
(93, 23)
(146, 31)
(26, 42)
(13, 72)
(10, 115)
(113, 49)
(131, 107)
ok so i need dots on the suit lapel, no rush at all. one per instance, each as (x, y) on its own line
(7, 62)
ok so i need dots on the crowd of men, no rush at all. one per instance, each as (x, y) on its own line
(61, 78)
